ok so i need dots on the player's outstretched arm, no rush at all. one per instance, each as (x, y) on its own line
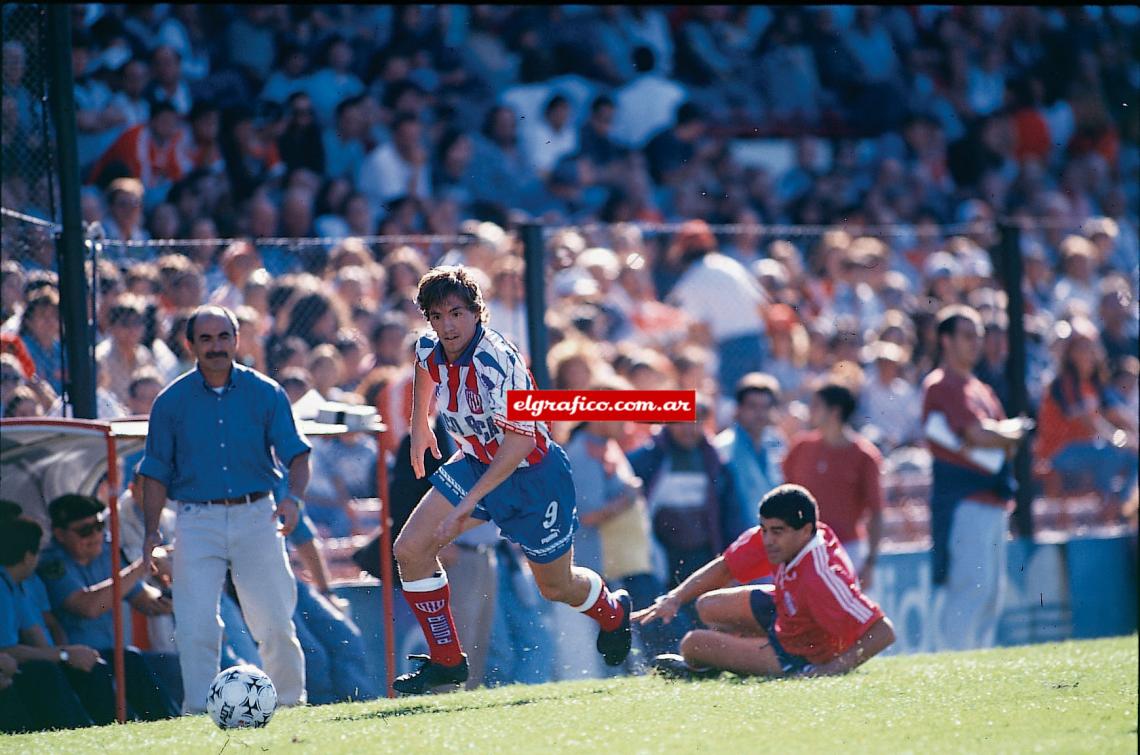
(712, 576)
(878, 637)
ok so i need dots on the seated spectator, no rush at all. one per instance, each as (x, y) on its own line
(168, 84)
(205, 149)
(335, 81)
(39, 332)
(397, 168)
(122, 352)
(98, 119)
(1081, 434)
(826, 635)
(889, 402)
(153, 152)
(301, 143)
(687, 491)
(76, 569)
(344, 469)
(125, 206)
(646, 104)
(551, 137)
(36, 677)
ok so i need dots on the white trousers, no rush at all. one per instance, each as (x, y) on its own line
(243, 538)
(972, 595)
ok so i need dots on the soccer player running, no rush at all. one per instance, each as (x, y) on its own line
(815, 622)
(508, 472)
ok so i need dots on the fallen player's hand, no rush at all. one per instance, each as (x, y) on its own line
(664, 608)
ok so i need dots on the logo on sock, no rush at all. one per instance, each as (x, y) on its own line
(430, 606)
(440, 631)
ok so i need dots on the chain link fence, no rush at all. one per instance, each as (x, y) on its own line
(28, 179)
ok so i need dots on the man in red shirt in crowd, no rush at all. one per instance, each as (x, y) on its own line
(814, 622)
(842, 470)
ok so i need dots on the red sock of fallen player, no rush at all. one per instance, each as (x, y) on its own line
(600, 604)
(430, 601)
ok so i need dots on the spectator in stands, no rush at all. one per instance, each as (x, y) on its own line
(344, 469)
(76, 569)
(595, 139)
(752, 449)
(687, 491)
(1078, 275)
(98, 118)
(335, 81)
(239, 261)
(723, 299)
(397, 168)
(889, 401)
(39, 331)
(1117, 317)
(675, 153)
(842, 470)
(152, 152)
(501, 173)
(42, 689)
(969, 502)
(287, 77)
(205, 150)
(251, 156)
(344, 143)
(125, 202)
(551, 137)
(122, 352)
(146, 383)
(168, 85)
(1084, 433)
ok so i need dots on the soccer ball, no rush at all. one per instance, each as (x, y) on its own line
(241, 697)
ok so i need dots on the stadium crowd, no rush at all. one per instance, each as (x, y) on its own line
(892, 139)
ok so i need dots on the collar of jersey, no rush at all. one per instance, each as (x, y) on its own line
(465, 358)
(816, 540)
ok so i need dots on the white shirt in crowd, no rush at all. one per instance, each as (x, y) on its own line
(718, 291)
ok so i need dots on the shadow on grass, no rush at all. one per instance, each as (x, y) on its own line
(429, 708)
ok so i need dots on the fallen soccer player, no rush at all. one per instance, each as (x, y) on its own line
(814, 621)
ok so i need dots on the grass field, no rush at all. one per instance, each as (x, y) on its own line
(1066, 697)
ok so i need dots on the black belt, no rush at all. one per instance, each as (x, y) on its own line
(247, 498)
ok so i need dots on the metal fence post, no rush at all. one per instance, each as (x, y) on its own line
(77, 340)
(534, 252)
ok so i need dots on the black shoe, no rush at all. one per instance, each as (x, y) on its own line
(614, 645)
(673, 666)
(429, 675)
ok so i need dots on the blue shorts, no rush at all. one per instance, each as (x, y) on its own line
(534, 507)
(764, 611)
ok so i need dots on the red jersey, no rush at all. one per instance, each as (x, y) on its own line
(964, 402)
(820, 610)
(843, 479)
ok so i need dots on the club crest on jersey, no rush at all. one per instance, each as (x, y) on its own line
(473, 401)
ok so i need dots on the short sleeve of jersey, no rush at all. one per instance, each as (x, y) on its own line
(425, 345)
(746, 558)
(837, 607)
(501, 369)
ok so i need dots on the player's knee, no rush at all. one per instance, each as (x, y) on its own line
(691, 644)
(706, 609)
(406, 550)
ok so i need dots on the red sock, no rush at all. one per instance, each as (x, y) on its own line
(432, 608)
(605, 609)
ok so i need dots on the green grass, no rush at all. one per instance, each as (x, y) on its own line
(1065, 697)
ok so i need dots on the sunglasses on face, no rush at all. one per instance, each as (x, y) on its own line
(89, 529)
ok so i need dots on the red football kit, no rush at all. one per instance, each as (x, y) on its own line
(820, 610)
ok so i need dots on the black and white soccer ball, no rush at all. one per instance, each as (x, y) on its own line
(241, 697)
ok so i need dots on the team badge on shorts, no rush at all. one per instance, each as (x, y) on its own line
(474, 402)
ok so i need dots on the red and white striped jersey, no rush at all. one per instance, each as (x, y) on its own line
(820, 610)
(471, 393)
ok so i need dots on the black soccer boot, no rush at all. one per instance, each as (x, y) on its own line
(673, 666)
(429, 675)
(614, 645)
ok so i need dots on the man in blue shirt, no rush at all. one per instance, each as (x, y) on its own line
(36, 693)
(76, 569)
(216, 436)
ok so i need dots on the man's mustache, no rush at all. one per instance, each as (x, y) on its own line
(212, 354)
